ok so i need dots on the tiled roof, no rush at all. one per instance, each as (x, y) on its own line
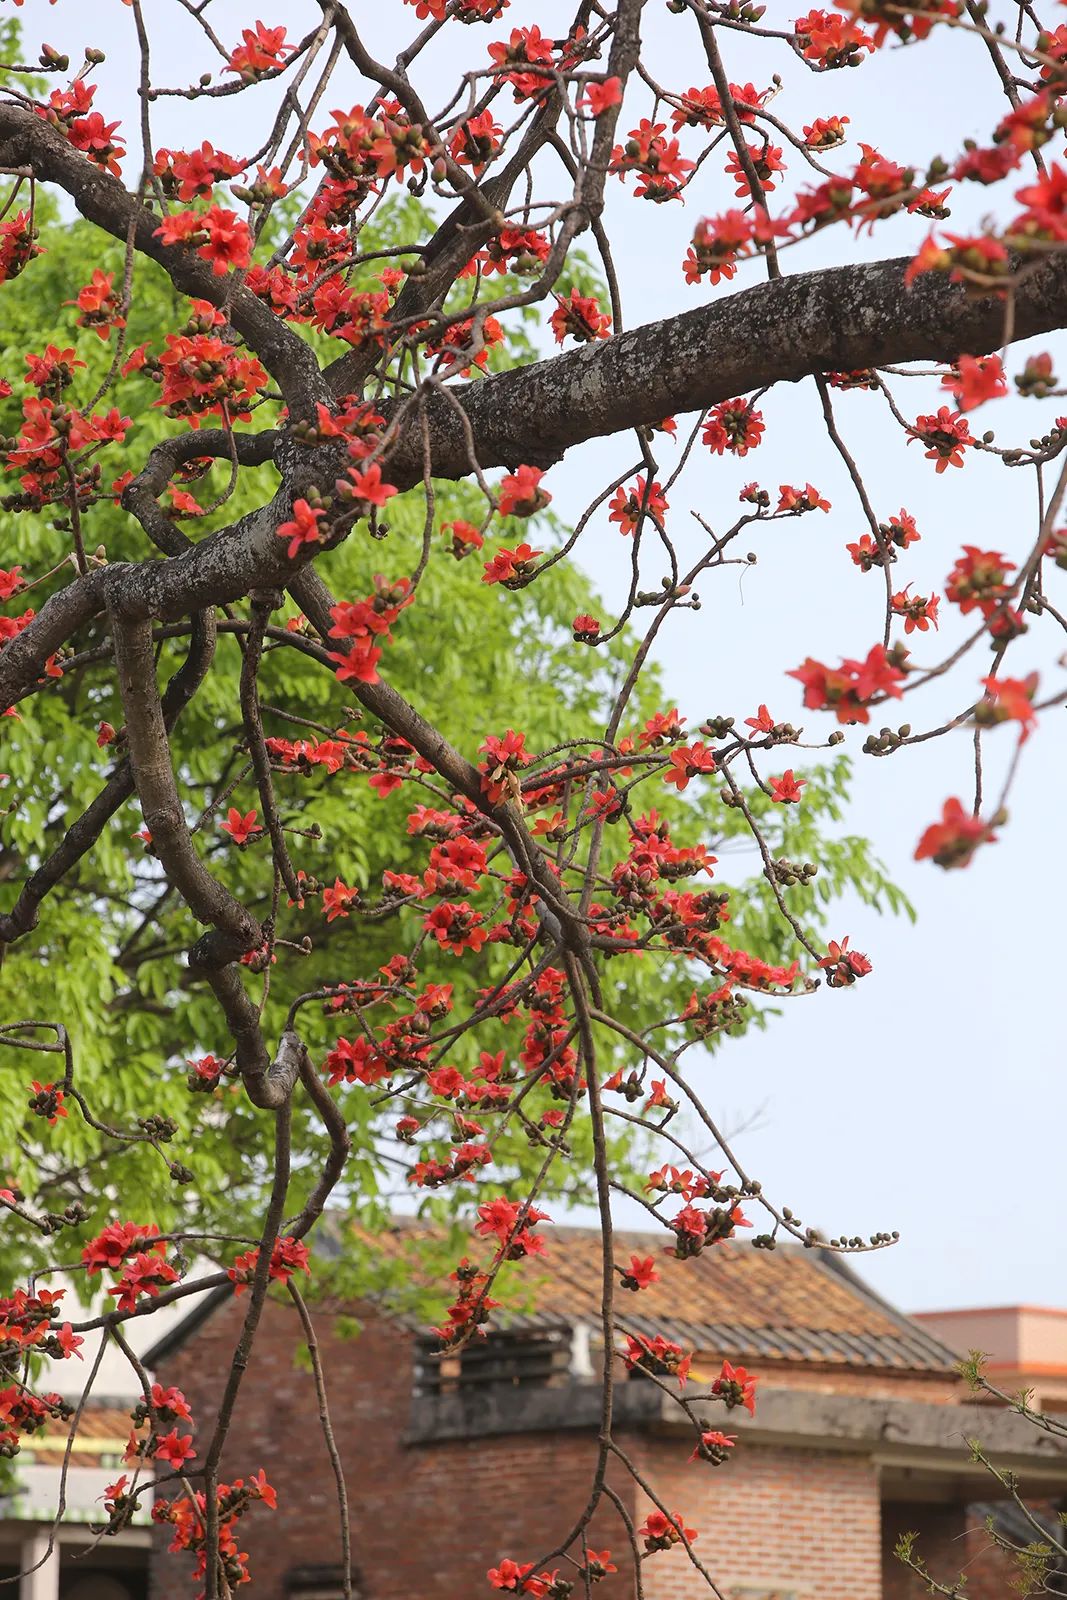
(790, 1304)
(102, 1431)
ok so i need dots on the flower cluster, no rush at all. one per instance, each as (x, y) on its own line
(134, 1251)
(187, 1518)
(287, 1256)
(849, 690)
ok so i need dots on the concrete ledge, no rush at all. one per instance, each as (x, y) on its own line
(897, 1431)
(896, 1434)
(480, 1411)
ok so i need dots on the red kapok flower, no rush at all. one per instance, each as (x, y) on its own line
(686, 761)
(520, 493)
(734, 425)
(581, 317)
(241, 828)
(627, 506)
(714, 1447)
(953, 841)
(47, 1102)
(976, 380)
(175, 1449)
(786, 789)
(919, 611)
(842, 965)
(660, 1531)
(1008, 700)
(736, 1387)
(303, 528)
(979, 580)
(597, 99)
(947, 435)
(640, 1273)
(850, 688)
(800, 500)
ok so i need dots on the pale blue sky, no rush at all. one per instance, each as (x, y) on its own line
(931, 1098)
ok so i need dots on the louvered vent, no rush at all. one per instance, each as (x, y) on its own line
(500, 1358)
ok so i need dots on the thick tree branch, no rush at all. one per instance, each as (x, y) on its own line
(838, 320)
(234, 930)
(83, 834)
(263, 603)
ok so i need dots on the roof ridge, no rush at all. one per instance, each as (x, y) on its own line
(834, 1261)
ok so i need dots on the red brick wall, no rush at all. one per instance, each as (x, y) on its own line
(427, 1521)
(771, 1520)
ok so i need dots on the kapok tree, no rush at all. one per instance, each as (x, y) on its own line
(329, 351)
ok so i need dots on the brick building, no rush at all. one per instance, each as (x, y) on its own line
(859, 1434)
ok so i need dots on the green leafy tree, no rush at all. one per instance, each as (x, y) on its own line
(105, 957)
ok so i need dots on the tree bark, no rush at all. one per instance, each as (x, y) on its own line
(837, 320)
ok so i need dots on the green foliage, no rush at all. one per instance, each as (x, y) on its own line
(11, 51)
(1036, 1564)
(107, 958)
(972, 1370)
